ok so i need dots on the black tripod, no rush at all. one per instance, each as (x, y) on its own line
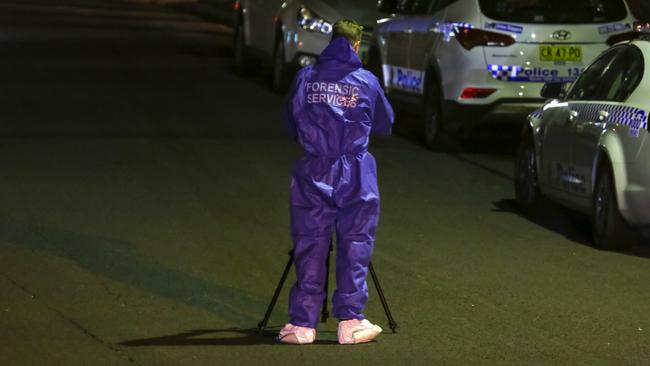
(261, 326)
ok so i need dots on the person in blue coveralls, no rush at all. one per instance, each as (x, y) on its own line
(332, 108)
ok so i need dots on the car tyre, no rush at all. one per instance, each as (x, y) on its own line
(280, 72)
(527, 192)
(610, 232)
(242, 60)
(434, 135)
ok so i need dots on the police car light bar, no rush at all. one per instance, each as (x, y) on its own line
(471, 37)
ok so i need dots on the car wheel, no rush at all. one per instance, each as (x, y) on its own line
(242, 60)
(527, 191)
(280, 72)
(435, 137)
(610, 232)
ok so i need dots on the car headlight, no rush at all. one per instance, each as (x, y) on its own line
(312, 22)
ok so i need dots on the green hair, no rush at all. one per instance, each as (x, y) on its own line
(351, 30)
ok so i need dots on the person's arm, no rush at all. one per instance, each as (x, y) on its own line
(383, 115)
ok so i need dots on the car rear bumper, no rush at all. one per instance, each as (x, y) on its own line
(505, 112)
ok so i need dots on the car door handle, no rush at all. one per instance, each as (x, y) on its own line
(603, 116)
(573, 116)
(408, 30)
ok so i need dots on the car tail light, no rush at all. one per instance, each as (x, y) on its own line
(470, 38)
(476, 93)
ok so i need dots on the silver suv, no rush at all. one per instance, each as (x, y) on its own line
(474, 62)
(291, 34)
(588, 147)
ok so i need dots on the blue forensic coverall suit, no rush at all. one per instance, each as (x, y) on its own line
(332, 108)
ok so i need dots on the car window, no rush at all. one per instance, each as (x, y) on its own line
(403, 6)
(413, 6)
(441, 4)
(554, 11)
(421, 6)
(589, 84)
(624, 75)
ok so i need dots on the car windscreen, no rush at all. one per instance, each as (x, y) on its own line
(363, 11)
(554, 11)
(343, 3)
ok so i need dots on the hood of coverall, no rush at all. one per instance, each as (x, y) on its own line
(340, 51)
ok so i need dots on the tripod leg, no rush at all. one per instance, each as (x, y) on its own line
(261, 326)
(384, 303)
(324, 315)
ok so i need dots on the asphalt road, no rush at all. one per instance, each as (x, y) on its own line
(144, 218)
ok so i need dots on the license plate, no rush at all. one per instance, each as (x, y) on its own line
(560, 53)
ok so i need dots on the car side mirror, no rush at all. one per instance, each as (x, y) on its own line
(554, 91)
(387, 6)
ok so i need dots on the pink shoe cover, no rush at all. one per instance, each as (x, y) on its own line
(297, 335)
(357, 331)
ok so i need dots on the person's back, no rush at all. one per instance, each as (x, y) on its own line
(332, 109)
(336, 103)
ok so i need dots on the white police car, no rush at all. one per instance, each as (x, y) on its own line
(293, 33)
(470, 62)
(589, 148)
